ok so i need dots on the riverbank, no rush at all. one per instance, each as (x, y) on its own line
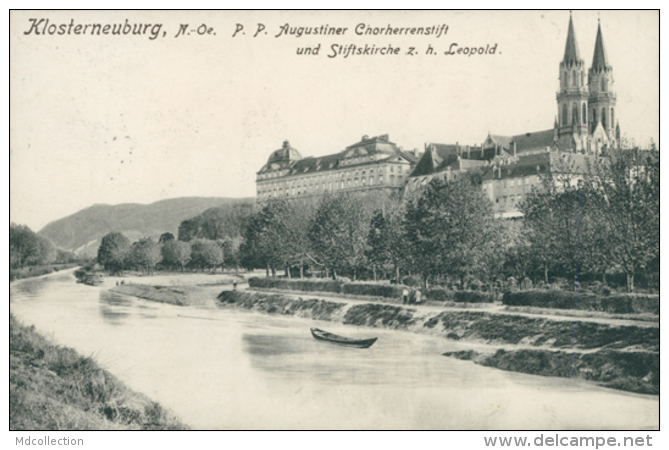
(174, 295)
(38, 271)
(625, 357)
(54, 388)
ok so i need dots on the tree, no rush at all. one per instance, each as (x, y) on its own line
(112, 252)
(144, 253)
(387, 245)
(627, 189)
(206, 253)
(24, 245)
(46, 251)
(216, 223)
(176, 254)
(260, 246)
(451, 230)
(339, 233)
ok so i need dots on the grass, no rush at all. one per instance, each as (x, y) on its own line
(54, 388)
(624, 370)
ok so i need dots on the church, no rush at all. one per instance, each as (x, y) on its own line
(508, 166)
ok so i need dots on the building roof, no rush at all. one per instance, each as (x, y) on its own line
(290, 162)
(571, 53)
(285, 153)
(535, 140)
(435, 156)
(438, 157)
(599, 60)
(504, 141)
(526, 165)
(370, 146)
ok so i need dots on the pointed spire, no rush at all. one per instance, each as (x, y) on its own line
(600, 61)
(571, 54)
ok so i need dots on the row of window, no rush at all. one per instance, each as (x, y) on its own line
(303, 189)
(584, 115)
(577, 78)
(340, 175)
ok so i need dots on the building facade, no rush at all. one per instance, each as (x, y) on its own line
(373, 164)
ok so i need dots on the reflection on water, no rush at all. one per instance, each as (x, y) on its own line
(116, 308)
(32, 287)
(238, 370)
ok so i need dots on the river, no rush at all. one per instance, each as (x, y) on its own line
(228, 369)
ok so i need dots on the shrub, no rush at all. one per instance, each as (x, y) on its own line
(615, 303)
(440, 294)
(376, 290)
(552, 298)
(306, 285)
(325, 285)
(473, 297)
(631, 303)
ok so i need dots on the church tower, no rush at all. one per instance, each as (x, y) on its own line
(602, 101)
(572, 99)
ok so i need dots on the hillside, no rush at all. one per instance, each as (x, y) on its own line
(81, 232)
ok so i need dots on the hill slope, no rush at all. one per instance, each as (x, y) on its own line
(81, 232)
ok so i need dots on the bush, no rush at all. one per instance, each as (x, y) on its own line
(325, 285)
(440, 294)
(631, 303)
(306, 285)
(376, 290)
(615, 303)
(553, 298)
(473, 297)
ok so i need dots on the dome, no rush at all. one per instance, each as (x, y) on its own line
(285, 153)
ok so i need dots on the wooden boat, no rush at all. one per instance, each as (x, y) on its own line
(341, 340)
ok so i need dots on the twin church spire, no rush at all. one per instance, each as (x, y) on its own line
(586, 108)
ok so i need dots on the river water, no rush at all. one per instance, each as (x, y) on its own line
(228, 369)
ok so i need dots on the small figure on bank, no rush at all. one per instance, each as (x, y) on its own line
(234, 285)
(417, 296)
(405, 296)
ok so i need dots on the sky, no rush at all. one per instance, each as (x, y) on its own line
(134, 119)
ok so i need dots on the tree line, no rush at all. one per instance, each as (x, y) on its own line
(607, 221)
(27, 248)
(116, 253)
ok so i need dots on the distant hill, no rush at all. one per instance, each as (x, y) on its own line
(81, 232)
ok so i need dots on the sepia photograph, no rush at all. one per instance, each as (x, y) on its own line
(335, 220)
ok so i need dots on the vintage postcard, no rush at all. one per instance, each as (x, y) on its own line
(335, 220)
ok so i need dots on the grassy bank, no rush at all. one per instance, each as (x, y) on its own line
(174, 295)
(162, 294)
(619, 356)
(54, 388)
(37, 271)
(625, 370)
